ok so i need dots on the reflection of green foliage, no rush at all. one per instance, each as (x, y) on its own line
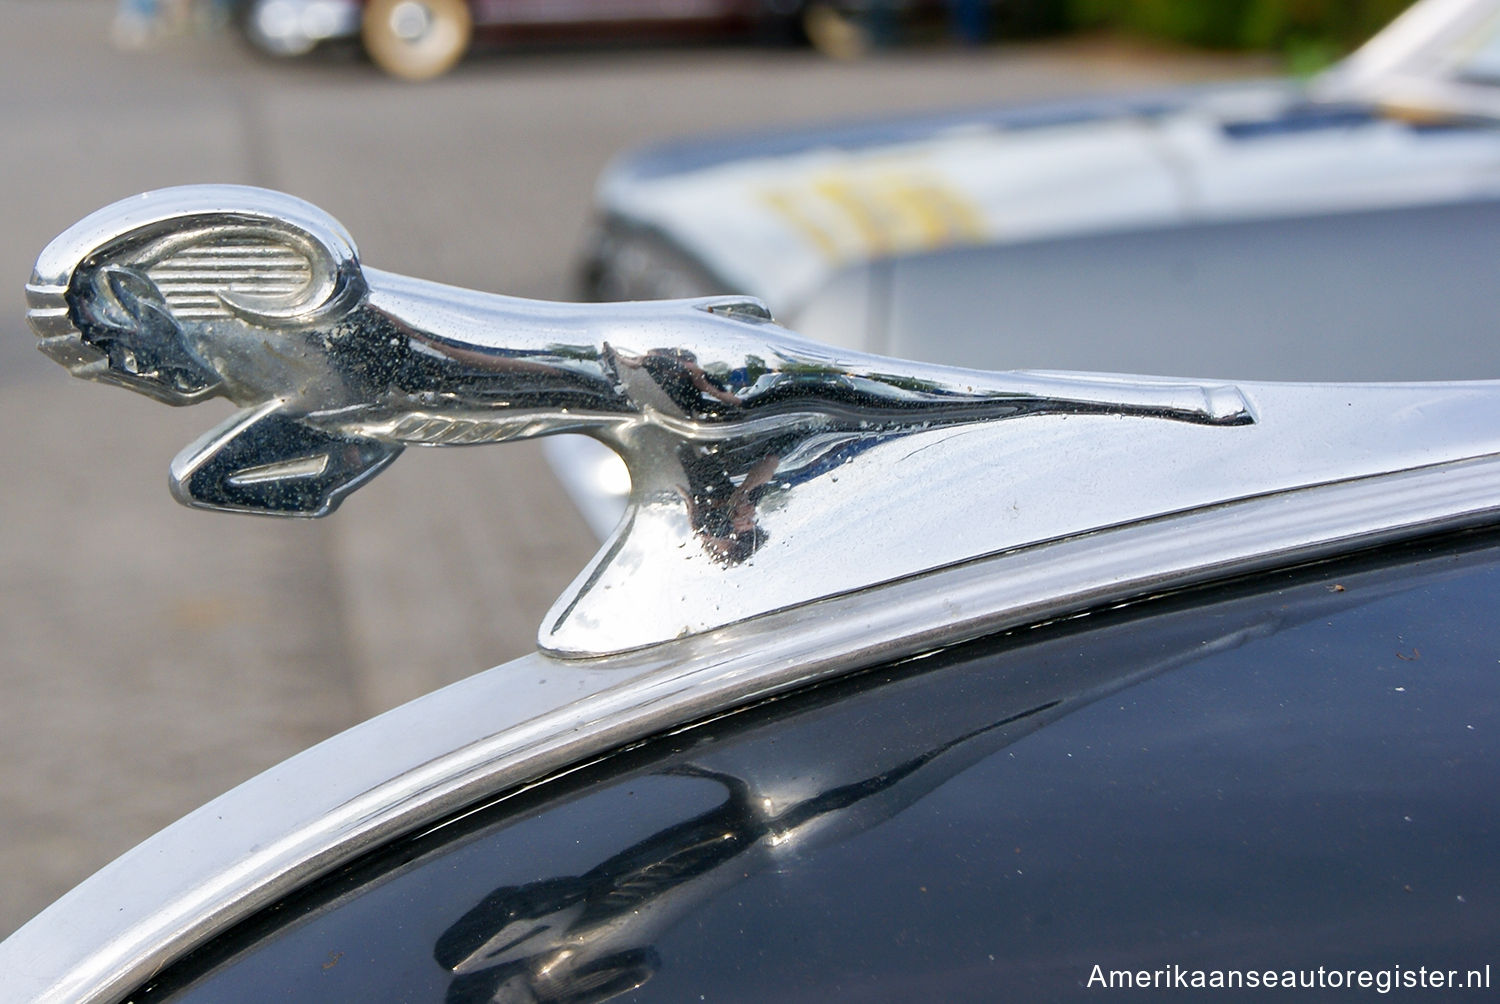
(901, 381)
(819, 372)
(1307, 31)
(796, 367)
(1305, 57)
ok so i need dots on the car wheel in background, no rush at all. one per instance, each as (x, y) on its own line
(417, 39)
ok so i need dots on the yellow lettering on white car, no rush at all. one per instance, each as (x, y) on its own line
(876, 210)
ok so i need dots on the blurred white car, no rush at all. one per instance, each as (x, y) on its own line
(1279, 230)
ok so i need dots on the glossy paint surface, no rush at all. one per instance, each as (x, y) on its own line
(1322, 297)
(1294, 773)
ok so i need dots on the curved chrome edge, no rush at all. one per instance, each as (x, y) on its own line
(530, 718)
(54, 266)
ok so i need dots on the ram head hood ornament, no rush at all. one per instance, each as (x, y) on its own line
(767, 470)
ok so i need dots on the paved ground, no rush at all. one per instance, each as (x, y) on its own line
(155, 656)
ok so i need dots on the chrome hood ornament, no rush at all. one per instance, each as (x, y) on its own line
(747, 446)
(218, 291)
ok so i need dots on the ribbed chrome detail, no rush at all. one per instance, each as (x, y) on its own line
(48, 316)
(192, 279)
(437, 430)
(42, 294)
(50, 322)
(68, 350)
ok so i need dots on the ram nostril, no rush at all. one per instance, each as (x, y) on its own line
(120, 314)
(114, 299)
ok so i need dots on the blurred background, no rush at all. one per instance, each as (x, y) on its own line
(155, 656)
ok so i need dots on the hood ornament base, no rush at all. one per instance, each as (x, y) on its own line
(767, 470)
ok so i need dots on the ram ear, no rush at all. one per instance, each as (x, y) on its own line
(275, 463)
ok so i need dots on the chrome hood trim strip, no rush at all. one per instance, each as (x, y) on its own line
(527, 719)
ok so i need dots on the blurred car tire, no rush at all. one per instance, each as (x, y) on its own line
(417, 39)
